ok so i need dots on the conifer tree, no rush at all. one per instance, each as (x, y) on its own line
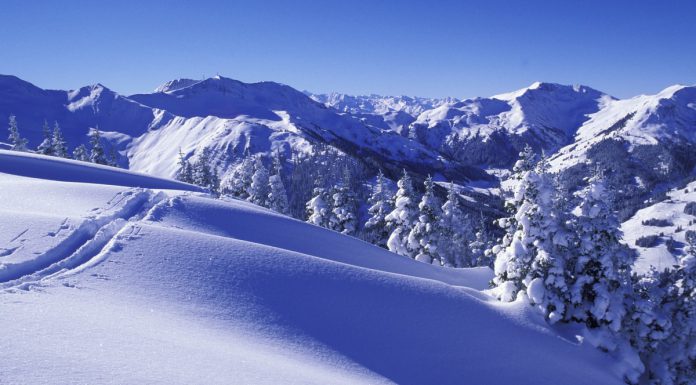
(380, 206)
(97, 153)
(402, 219)
(455, 233)
(532, 256)
(185, 172)
(80, 153)
(602, 265)
(318, 207)
(259, 188)
(58, 143)
(46, 145)
(343, 216)
(204, 174)
(240, 181)
(480, 253)
(424, 237)
(16, 141)
(278, 197)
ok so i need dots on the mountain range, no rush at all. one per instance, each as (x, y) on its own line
(463, 140)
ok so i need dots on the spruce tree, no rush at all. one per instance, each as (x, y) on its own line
(80, 153)
(402, 219)
(97, 153)
(240, 180)
(46, 145)
(278, 197)
(58, 143)
(17, 143)
(343, 212)
(532, 256)
(424, 237)
(602, 265)
(203, 172)
(185, 171)
(319, 207)
(380, 206)
(456, 234)
(259, 188)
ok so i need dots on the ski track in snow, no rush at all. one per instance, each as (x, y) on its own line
(88, 244)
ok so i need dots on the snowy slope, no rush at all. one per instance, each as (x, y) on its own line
(666, 118)
(126, 284)
(677, 223)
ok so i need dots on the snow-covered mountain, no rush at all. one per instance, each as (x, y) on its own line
(112, 276)
(491, 131)
(227, 116)
(387, 112)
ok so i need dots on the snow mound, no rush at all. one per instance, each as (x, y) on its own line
(172, 286)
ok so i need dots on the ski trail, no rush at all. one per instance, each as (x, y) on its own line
(87, 245)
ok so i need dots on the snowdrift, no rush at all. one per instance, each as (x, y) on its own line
(103, 282)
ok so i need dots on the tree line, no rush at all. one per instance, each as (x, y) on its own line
(54, 144)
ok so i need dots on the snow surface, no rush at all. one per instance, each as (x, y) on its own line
(164, 286)
(672, 210)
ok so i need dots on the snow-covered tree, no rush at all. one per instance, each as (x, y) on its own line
(602, 265)
(319, 207)
(424, 237)
(97, 153)
(185, 171)
(456, 234)
(80, 153)
(239, 183)
(343, 211)
(278, 197)
(259, 188)
(531, 259)
(402, 219)
(204, 173)
(380, 206)
(480, 245)
(46, 145)
(16, 141)
(60, 148)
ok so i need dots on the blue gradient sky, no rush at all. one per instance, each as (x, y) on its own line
(427, 48)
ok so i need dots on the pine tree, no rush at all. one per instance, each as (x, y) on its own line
(80, 153)
(424, 237)
(402, 219)
(16, 141)
(185, 171)
(278, 197)
(380, 205)
(531, 259)
(240, 181)
(59, 147)
(456, 234)
(319, 208)
(203, 174)
(113, 158)
(480, 253)
(662, 322)
(97, 153)
(46, 145)
(602, 265)
(259, 189)
(343, 216)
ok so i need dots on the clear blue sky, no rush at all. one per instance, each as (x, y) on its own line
(428, 48)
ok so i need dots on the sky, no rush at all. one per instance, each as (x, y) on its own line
(422, 48)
